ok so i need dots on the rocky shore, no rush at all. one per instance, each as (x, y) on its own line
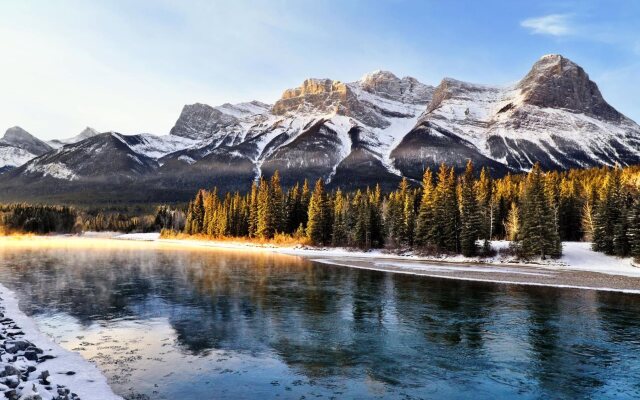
(22, 373)
(33, 367)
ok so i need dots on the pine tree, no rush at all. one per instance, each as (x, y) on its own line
(253, 211)
(634, 230)
(319, 218)
(484, 195)
(446, 211)
(539, 232)
(376, 220)
(621, 242)
(339, 237)
(425, 223)
(197, 214)
(607, 213)
(469, 215)
(512, 223)
(278, 203)
(265, 228)
(305, 198)
(293, 209)
(408, 219)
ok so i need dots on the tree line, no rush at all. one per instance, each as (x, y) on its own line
(38, 219)
(45, 219)
(445, 213)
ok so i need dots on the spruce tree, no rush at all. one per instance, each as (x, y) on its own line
(305, 198)
(339, 237)
(319, 221)
(634, 229)
(446, 211)
(265, 228)
(277, 203)
(539, 233)
(253, 211)
(425, 223)
(512, 223)
(469, 215)
(607, 212)
(197, 217)
(484, 196)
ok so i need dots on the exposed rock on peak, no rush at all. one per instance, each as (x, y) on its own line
(389, 86)
(453, 88)
(86, 134)
(18, 137)
(201, 121)
(557, 82)
(323, 95)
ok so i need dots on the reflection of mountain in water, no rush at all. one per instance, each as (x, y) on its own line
(327, 321)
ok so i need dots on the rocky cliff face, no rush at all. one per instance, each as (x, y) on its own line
(406, 90)
(557, 82)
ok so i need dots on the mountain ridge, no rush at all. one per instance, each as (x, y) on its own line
(374, 130)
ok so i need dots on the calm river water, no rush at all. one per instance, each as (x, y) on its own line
(207, 324)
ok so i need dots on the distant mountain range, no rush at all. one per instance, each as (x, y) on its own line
(375, 130)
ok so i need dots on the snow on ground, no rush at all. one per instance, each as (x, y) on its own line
(56, 170)
(577, 256)
(149, 237)
(13, 156)
(86, 381)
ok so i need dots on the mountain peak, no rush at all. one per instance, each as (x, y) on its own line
(386, 84)
(18, 137)
(324, 95)
(86, 133)
(16, 132)
(201, 121)
(554, 81)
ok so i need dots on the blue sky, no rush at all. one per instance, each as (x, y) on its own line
(130, 66)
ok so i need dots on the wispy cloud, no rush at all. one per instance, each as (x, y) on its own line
(552, 24)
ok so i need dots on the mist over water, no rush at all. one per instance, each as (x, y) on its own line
(196, 324)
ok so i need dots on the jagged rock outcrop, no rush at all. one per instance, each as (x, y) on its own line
(406, 90)
(201, 122)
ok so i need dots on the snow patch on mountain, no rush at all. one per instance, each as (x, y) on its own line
(11, 157)
(156, 147)
(55, 170)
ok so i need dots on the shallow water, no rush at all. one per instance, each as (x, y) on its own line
(205, 324)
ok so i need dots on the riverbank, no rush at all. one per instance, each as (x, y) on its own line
(34, 367)
(579, 267)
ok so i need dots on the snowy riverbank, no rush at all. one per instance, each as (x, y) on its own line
(578, 261)
(34, 367)
(576, 256)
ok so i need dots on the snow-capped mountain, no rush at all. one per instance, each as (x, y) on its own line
(18, 146)
(85, 134)
(310, 132)
(374, 130)
(555, 115)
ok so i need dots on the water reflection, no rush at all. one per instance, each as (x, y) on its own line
(250, 324)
